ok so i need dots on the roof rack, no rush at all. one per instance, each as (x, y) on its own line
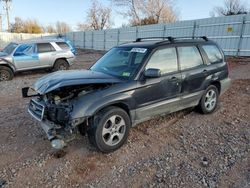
(171, 39)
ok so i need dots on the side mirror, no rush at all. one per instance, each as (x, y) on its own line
(152, 73)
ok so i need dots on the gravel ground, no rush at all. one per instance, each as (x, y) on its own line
(184, 149)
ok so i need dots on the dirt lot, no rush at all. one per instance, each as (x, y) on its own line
(184, 149)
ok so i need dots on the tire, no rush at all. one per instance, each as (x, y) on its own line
(110, 129)
(6, 73)
(209, 100)
(61, 64)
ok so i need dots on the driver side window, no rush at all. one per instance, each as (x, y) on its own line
(24, 49)
(165, 60)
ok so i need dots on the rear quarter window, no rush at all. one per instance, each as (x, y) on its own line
(63, 45)
(45, 47)
(213, 53)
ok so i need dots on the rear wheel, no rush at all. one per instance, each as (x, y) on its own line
(6, 73)
(110, 129)
(209, 100)
(61, 64)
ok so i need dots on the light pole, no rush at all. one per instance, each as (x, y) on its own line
(0, 22)
(7, 4)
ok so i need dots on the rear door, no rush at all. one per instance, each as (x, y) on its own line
(216, 66)
(25, 57)
(193, 70)
(154, 94)
(46, 53)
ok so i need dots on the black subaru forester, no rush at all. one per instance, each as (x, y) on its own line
(130, 84)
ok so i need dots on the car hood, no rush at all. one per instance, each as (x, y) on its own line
(2, 55)
(60, 79)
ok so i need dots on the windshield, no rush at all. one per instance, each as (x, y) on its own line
(121, 62)
(10, 48)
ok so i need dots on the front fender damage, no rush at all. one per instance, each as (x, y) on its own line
(57, 120)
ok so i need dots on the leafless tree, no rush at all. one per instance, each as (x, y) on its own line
(26, 26)
(62, 27)
(141, 12)
(50, 29)
(83, 27)
(99, 16)
(230, 7)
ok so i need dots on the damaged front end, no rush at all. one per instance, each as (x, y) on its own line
(53, 107)
(53, 111)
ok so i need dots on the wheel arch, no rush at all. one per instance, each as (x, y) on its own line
(8, 66)
(60, 58)
(217, 85)
(123, 105)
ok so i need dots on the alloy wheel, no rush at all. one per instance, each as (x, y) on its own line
(113, 130)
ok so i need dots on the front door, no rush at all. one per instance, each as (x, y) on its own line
(25, 57)
(154, 95)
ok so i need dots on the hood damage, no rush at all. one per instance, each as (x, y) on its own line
(73, 81)
(54, 94)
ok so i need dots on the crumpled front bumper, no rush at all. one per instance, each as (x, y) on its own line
(56, 140)
(57, 134)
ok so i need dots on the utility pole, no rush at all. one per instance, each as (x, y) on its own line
(7, 4)
(1, 29)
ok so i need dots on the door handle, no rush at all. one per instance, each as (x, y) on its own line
(173, 79)
(205, 71)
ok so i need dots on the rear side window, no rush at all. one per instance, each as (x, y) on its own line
(165, 60)
(189, 57)
(213, 53)
(45, 47)
(63, 45)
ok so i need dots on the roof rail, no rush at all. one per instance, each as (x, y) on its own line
(171, 39)
(193, 37)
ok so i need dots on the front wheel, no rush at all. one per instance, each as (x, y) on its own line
(110, 129)
(209, 100)
(6, 73)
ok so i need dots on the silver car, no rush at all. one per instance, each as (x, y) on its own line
(55, 54)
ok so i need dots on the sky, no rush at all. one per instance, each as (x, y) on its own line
(72, 12)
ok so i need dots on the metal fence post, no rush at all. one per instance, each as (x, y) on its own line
(74, 38)
(92, 40)
(241, 35)
(118, 36)
(194, 29)
(136, 34)
(104, 40)
(84, 39)
(164, 31)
